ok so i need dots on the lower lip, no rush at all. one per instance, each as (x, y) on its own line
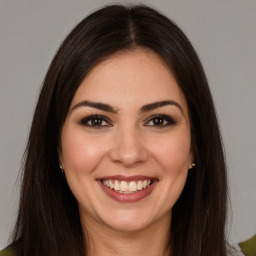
(132, 197)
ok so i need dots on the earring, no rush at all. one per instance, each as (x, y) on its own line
(61, 167)
(192, 165)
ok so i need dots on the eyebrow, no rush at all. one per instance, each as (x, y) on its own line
(159, 104)
(98, 105)
(108, 108)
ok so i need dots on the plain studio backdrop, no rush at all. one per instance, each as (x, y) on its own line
(223, 33)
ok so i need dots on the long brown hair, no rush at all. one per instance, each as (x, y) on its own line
(48, 220)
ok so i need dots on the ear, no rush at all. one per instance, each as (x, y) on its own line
(192, 156)
(193, 152)
(191, 160)
(59, 149)
(193, 149)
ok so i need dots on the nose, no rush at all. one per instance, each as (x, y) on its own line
(128, 148)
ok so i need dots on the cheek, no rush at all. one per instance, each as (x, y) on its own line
(172, 156)
(173, 153)
(81, 154)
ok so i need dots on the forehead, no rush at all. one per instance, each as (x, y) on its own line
(128, 78)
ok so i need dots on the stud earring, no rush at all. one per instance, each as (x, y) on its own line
(192, 165)
(61, 167)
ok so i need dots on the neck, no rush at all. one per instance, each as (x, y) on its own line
(151, 241)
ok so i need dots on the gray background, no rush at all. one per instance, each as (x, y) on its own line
(222, 31)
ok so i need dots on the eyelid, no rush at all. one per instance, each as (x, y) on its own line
(169, 119)
(88, 118)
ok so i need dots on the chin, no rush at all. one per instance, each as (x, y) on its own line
(129, 221)
(128, 227)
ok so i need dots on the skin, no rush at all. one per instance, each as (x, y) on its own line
(129, 143)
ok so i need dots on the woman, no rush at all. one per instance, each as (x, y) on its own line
(124, 155)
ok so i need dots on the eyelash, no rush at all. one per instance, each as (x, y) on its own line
(165, 120)
(87, 119)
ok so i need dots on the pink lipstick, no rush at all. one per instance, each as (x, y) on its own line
(127, 188)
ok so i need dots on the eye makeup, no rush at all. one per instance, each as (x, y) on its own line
(160, 121)
(95, 121)
(98, 121)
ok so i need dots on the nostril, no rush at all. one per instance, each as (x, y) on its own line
(128, 147)
(128, 159)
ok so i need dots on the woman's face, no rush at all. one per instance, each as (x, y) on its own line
(125, 144)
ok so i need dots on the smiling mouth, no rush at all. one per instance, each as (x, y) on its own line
(125, 187)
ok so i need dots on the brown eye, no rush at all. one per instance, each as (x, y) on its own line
(95, 121)
(160, 120)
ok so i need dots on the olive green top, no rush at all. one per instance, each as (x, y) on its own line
(7, 252)
(248, 247)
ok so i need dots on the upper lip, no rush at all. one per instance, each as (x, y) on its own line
(127, 178)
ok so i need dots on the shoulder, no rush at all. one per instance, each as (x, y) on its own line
(8, 252)
(248, 247)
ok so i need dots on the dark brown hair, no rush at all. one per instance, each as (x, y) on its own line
(48, 220)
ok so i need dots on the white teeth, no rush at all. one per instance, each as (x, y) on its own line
(111, 185)
(126, 187)
(116, 185)
(132, 186)
(123, 186)
(139, 185)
